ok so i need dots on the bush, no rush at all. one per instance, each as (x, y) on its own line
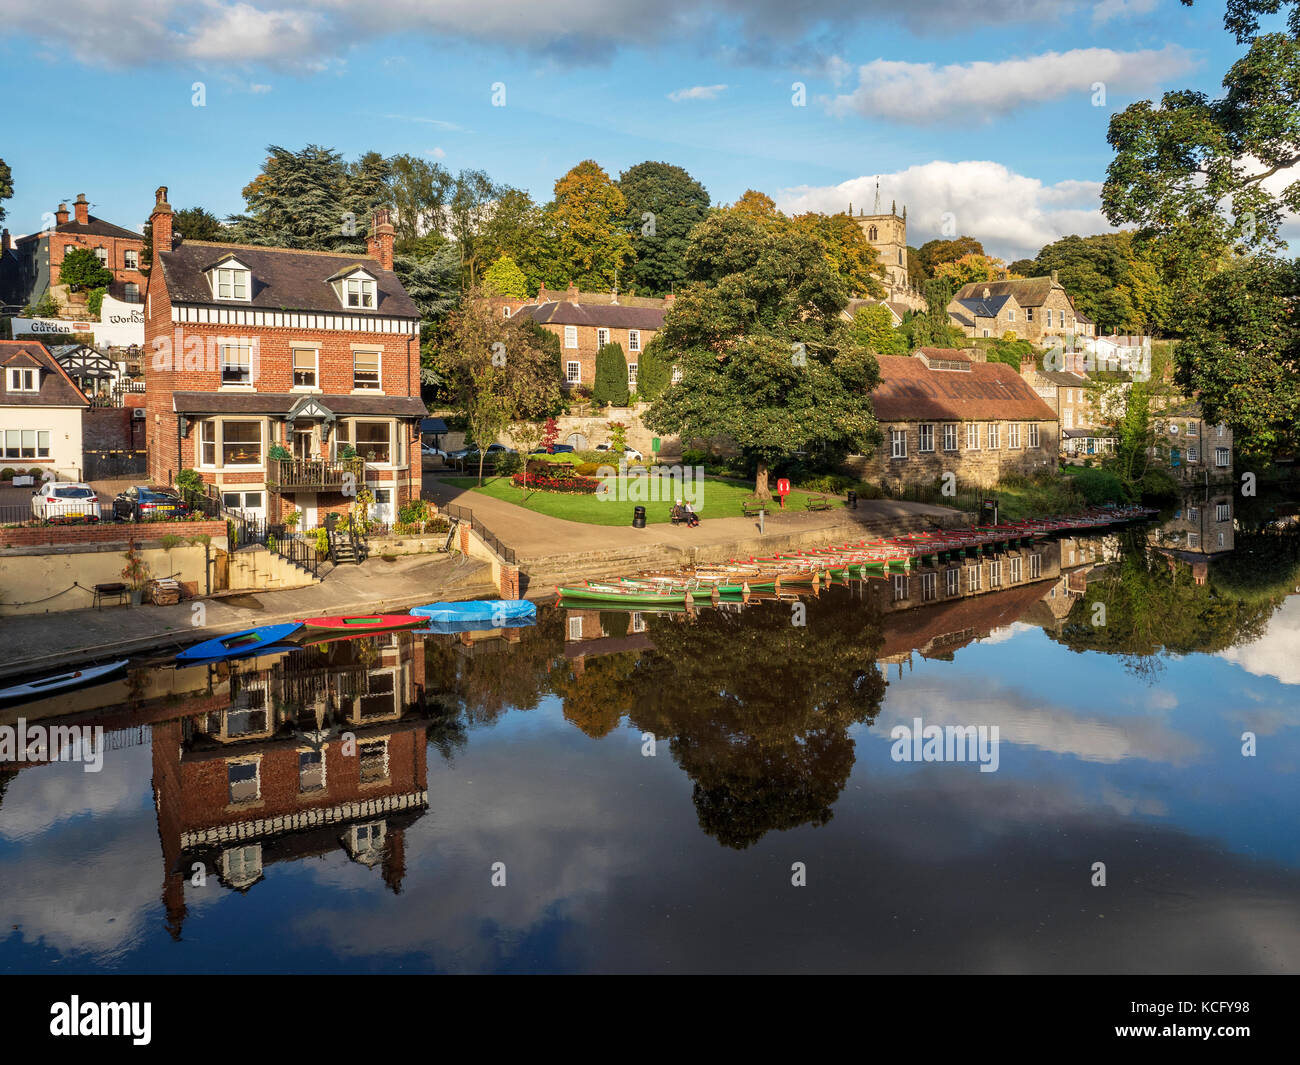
(694, 456)
(1099, 486)
(1158, 484)
(589, 469)
(510, 463)
(610, 386)
(832, 483)
(322, 544)
(559, 479)
(7, 473)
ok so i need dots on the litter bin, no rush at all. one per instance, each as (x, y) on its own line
(851, 500)
(988, 512)
(638, 517)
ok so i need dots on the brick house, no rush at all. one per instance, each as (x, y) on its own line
(311, 354)
(942, 411)
(40, 255)
(41, 410)
(1041, 310)
(584, 327)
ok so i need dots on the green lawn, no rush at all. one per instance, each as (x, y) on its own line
(716, 498)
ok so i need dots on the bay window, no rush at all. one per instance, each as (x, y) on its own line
(374, 441)
(241, 443)
(207, 443)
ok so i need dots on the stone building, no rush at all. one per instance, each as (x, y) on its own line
(288, 379)
(1191, 449)
(941, 411)
(1041, 312)
(40, 255)
(887, 233)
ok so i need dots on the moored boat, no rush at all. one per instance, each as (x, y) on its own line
(363, 622)
(485, 610)
(34, 689)
(237, 644)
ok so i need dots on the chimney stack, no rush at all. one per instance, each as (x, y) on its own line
(379, 244)
(82, 209)
(160, 222)
(61, 215)
(5, 244)
(541, 292)
(1054, 281)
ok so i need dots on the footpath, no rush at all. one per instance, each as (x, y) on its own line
(39, 644)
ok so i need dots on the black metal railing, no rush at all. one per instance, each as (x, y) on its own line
(244, 529)
(465, 514)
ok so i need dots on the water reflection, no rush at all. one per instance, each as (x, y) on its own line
(304, 778)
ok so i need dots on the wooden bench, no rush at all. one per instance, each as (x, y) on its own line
(752, 508)
(819, 503)
(115, 590)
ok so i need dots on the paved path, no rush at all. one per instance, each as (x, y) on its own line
(537, 536)
(42, 643)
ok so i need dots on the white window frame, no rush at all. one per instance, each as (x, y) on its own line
(101, 253)
(972, 436)
(952, 580)
(262, 445)
(24, 379)
(294, 349)
(394, 441)
(575, 628)
(1016, 569)
(676, 375)
(950, 436)
(1222, 512)
(1222, 457)
(360, 293)
(974, 578)
(929, 587)
(634, 340)
(16, 443)
(995, 436)
(1035, 566)
(1011, 314)
(209, 427)
(378, 386)
(1013, 436)
(900, 587)
(1034, 438)
(573, 372)
(570, 336)
(130, 259)
(631, 376)
(1194, 540)
(234, 279)
(226, 348)
(602, 337)
(256, 763)
(924, 430)
(898, 443)
(995, 574)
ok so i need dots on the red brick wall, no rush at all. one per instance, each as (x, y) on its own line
(587, 347)
(110, 533)
(115, 246)
(108, 429)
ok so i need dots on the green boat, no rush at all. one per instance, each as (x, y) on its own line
(616, 593)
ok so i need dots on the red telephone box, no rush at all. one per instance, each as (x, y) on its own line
(783, 490)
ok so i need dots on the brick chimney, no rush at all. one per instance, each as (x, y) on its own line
(82, 208)
(572, 292)
(5, 243)
(1054, 278)
(379, 244)
(61, 215)
(541, 292)
(670, 297)
(160, 222)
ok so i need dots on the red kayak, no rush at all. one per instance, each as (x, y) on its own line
(364, 622)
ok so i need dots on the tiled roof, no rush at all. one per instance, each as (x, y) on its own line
(1028, 291)
(985, 308)
(1062, 377)
(283, 279)
(989, 391)
(280, 402)
(57, 388)
(607, 315)
(94, 227)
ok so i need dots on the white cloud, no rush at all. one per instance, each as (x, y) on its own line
(697, 92)
(981, 91)
(257, 87)
(1012, 214)
(1274, 653)
(436, 153)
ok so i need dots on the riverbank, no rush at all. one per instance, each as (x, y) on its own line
(44, 643)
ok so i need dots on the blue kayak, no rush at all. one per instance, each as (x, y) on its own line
(493, 612)
(250, 641)
(444, 628)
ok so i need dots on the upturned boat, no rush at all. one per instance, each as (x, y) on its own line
(259, 640)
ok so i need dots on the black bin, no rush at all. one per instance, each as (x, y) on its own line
(988, 512)
(638, 517)
(851, 500)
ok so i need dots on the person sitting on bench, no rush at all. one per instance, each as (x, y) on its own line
(692, 519)
(678, 515)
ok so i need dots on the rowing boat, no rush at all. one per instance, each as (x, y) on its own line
(363, 622)
(488, 610)
(60, 681)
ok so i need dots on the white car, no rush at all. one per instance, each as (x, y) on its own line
(630, 452)
(428, 451)
(65, 501)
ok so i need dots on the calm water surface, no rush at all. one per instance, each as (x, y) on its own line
(343, 808)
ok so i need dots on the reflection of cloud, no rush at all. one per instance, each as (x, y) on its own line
(1023, 721)
(1007, 632)
(1127, 805)
(1275, 653)
(43, 796)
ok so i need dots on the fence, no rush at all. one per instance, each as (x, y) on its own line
(465, 514)
(245, 530)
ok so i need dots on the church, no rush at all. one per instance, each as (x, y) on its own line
(887, 233)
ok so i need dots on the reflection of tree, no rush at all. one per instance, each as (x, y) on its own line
(758, 709)
(596, 699)
(1154, 606)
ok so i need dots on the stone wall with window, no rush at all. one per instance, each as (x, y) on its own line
(579, 344)
(979, 453)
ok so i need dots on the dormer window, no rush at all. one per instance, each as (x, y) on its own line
(24, 380)
(360, 292)
(231, 282)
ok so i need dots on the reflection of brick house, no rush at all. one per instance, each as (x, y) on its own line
(310, 754)
(1034, 308)
(253, 348)
(40, 255)
(942, 411)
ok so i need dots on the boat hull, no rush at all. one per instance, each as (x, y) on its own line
(238, 644)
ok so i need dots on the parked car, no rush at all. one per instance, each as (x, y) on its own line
(630, 452)
(558, 449)
(471, 453)
(428, 451)
(65, 501)
(143, 502)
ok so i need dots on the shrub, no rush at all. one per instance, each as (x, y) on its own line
(588, 469)
(189, 482)
(1099, 486)
(1158, 484)
(555, 482)
(7, 473)
(610, 385)
(278, 452)
(833, 483)
(694, 456)
(322, 542)
(437, 525)
(510, 463)
(416, 512)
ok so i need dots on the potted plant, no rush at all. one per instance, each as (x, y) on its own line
(135, 573)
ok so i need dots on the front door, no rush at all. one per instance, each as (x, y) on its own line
(382, 511)
(307, 504)
(302, 442)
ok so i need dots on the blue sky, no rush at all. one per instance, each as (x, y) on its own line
(981, 108)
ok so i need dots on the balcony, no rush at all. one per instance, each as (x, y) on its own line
(313, 475)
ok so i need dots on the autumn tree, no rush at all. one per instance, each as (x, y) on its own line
(504, 278)
(851, 255)
(971, 267)
(589, 216)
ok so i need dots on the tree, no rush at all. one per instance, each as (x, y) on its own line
(433, 283)
(1023, 268)
(1241, 354)
(757, 204)
(297, 201)
(1113, 279)
(417, 189)
(765, 359)
(520, 229)
(504, 278)
(6, 186)
(654, 370)
(192, 223)
(589, 216)
(610, 386)
(664, 203)
(873, 328)
(473, 198)
(852, 256)
(934, 252)
(81, 269)
(971, 267)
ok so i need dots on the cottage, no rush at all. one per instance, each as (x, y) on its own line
(40, 411)
(941, 411)
(288, 379)
(1192, 450)
(1034, 308)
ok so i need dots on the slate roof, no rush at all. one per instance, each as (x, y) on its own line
(1028, 291)
(280, 402)
(57, 388)
(989, 391)
(283, 279)
(595, 314)
(985, 308)
(94, 227)
(1063, 378)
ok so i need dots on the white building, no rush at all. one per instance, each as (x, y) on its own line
(40, 412)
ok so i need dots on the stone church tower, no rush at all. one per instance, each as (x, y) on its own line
(887, 233)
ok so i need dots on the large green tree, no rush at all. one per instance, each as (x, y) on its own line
(1115, 280)
(589, 217)
(82, 270)
(941, 250)
(6, 186)
(418, 190)
(851, 255)
(664, 203)
(766, 360)
(610, 385)
(504, 278)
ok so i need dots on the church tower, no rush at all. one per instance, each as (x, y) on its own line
(887, 233)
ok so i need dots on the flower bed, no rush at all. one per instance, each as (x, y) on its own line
(571, 483)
